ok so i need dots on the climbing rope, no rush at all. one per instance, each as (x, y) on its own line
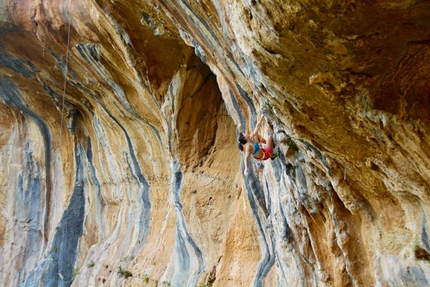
(65, 79)
(310, 214)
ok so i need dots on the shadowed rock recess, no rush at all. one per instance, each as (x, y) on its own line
(119, 165)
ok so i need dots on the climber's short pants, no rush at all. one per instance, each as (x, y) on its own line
(267, 153)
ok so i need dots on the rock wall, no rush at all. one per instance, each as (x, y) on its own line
(119, 164)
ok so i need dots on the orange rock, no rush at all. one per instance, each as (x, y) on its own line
(129, 174)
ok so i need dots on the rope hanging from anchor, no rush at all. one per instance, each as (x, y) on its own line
(65, 78)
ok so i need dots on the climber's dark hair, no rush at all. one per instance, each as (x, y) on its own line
(241, 140)
(240, 146)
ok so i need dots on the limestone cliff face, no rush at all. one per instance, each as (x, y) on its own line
(119, 164)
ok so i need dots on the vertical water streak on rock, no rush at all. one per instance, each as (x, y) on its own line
(281, 188)
(143, 188)
(424, 234)
(90, 53)
(254, 192)
(279, 223)
(145, 214)
(238, 111)
(200, 26)
(28, 202)
(94, 178)
(294, 178)
(58, 267)
(250, 104)
(188, 260)
(253, 184)
(9, 93)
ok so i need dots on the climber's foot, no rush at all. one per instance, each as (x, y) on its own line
(275, 155)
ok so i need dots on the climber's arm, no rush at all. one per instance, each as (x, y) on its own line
(255, 132)
(247, 153)
(260, 139)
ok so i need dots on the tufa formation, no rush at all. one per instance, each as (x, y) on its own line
(119, 163)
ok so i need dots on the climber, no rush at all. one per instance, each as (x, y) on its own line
(251, 144)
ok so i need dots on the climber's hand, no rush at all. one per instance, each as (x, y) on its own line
(246, 173)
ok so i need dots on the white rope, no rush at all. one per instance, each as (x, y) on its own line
(65, 79)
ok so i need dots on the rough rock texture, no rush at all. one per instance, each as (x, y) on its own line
(126, 172)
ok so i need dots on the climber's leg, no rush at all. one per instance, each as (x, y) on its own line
(271, 145)
(269, 142)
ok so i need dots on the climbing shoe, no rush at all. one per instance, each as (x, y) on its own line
(275, 155)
